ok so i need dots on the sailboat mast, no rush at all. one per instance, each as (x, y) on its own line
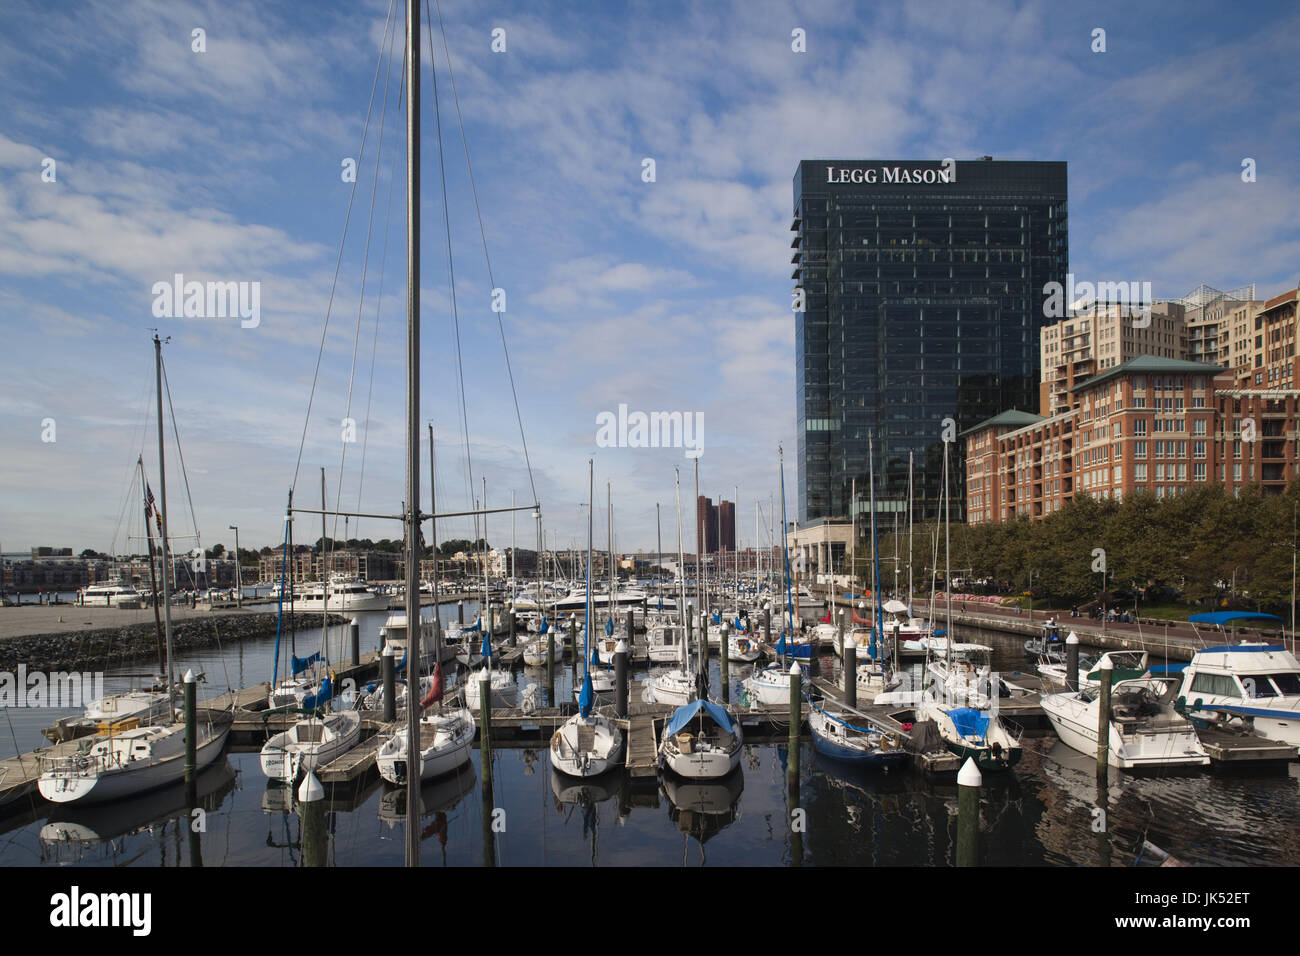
(878, 614)
(659, 556)
(162, 506)
(699, 546)
(609, 543)
(947, 555)
(910, 455)
(412, 424)
(324, 578)
(487, 607)
(853, 535)
(681, 565)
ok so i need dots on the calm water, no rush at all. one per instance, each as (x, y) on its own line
(1041, 813)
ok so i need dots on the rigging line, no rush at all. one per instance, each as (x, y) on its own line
(365, 263)
(379, 298)
(194, 519)
(451, 269)
(338, 263)
(483, 234)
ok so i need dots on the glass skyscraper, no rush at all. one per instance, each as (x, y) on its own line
(922, 286)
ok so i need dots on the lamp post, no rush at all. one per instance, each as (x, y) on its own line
(239, 580)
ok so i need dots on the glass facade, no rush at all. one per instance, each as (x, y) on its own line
(923, 295)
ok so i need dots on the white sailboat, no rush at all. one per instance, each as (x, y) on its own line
(134, 760)
(446, 739)
(310, 744)
(587, 744)
(701, 742)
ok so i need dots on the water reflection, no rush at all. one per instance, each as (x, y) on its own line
(703, 808)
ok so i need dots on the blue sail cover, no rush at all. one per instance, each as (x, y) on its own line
(486, 650)
(1223, 617)
(969, 722)
(717, 619)
(473, 627)
(584, 698)
(319, 700)
(609, 627)
(738, 625)
(595, 653)
(794, 650)
(546, 626)
(300, 664)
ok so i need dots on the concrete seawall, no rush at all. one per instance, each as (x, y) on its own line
(109, 646)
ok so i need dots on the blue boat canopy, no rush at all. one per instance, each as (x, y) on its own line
(970, 722)
(682, 716)
(316, 701)
(300, 664)
(1223, 617)
(1242, 649)
(546, 626)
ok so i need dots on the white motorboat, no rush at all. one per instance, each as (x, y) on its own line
(127, 763)
(742, 647)
(116, 593)
(702, 741)
(393, 634)
(309, 744)
(344, 593)
(446, 740)
(1126, 664)
(676, 686)
(1254, 682)
(1145, 730)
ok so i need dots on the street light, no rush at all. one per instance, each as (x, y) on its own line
(239, 579)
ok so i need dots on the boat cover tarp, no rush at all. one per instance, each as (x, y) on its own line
(683, 715)
(1242, 649)
(320, 699)
(546, 626)
(1223, 617)
(585, 697)
(969, 722)
(300, 664)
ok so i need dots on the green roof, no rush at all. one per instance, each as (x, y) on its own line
(1150, 364)
(1012, 418)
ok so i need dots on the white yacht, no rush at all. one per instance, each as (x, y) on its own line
(345, 593)
(1145, 730)
(445, 743)
(664, 642)
(114, 594)
(309, 744)
(1254, 681)
(393, 633)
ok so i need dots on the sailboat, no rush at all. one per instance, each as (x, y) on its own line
(844, 734)
(702, 741)
(677, 686)
(974, 732)
(588, 743)
(501, 685)
(446, 738)
(131, 759)
(770, 685)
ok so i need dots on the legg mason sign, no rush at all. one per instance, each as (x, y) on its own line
(945, 172)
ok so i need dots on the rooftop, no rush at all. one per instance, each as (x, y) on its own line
(1012, 418)
(1153, 364)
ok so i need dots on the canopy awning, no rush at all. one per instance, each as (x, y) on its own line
(1223, 617)
(683, 715)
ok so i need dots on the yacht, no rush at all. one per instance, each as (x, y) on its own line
(702, 742)
(114, 594)
(1145, 730)
(1254, 681)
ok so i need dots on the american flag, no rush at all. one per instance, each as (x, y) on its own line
(148, 501)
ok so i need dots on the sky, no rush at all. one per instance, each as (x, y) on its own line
(221, 157)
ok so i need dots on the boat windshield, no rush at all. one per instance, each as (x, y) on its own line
(1272, 685)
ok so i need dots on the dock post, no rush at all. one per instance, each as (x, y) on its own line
(840, 634)
(620, 678)
(1103, 718)
(724, 669)
(355, 631)
(969, 781)
(704, 641)
(767, 623)
(1071, 662)
(485, 762)
(390, 692)
(460, 613)
(311, 813)
(191, 725)
(690, 626)
(631, 625)
(510, 625)
(796, 719)
(851, 672)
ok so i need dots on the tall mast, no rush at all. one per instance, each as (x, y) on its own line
(947, 544)
(878, 614)
(584, 698)
(609, 544)
(485, 618)
(910, 455)
(412, 426)
(853, 537)
(659, 556)
(699, 546)
(324, 578)
(162, 506)
(681, 566)
(512, 546)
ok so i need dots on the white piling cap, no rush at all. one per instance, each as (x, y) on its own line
(1107, 664)
(388, 651)
(189, 676)
(969, 775)
(356, 622)
(1072, 639)
(620, 647)
(850, 642)
(794, 669)
(310, 790)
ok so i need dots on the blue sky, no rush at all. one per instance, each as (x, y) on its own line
(671, 295)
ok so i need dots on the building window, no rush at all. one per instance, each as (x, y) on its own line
(1198, 426)
(1198, 471)
(1198, 450)
(1140, 427)
(1236, 472)
(1139, 449)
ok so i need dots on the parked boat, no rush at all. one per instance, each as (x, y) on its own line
(664, 642)
(1253, 681)
(702, 741)
(848, 736)
(971, 732)
(310, 744)
(1125, 664)
(1145, 729)
(446, 738)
